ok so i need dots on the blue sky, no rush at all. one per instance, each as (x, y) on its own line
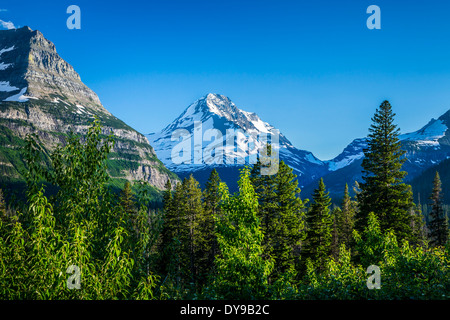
(311, 68)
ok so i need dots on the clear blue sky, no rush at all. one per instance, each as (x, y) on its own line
(311, 68)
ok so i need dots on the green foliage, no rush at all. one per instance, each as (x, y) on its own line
(345, 219)
(383, 191)
(282, 216)
(255, 244)
(207, 247)
(81, 226)
(319, 222)
(406, 272)
(241, 270)
(439, 222)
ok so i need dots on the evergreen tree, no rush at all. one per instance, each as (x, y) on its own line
(281, 212)
(127, 203)
(335, 239)
(126, 199)
(187, 202)
(167, 232)
(418, 226)
(289, 223)
(439, 223)
(383, 191)
(320, 224)
(174, 257)
(180, 234)
(207, 241)
(129, 215)
(345, 219)
(265, 188)
(2, 205)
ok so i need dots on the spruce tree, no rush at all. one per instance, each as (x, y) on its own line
(383, 191)
(190, 208)
(319, 225)
(167, 232)
(207, 241)
(2, 205)
(289, 223)
(345, 219)
(281, 212)
(129, 215)
(335, 239)
(439, 223)
(126, 201)
(265, 188)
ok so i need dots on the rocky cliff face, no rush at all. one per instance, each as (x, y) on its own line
(43, 94)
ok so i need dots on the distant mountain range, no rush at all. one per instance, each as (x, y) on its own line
(424, 148)
(41, 93)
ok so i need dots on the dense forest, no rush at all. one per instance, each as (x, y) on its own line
(262, 242)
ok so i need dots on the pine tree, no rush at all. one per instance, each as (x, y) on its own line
(320, 224)
(418, 226)
(265, 188)
(193, 209)
(439, 223)
(383, 191)
(289, 223)
(345, 219)
(281, 212)
(167, 232)
(127, 202)
(129, 215)
(177, 225)
(2, 205)
(335, 239)
(207, 241)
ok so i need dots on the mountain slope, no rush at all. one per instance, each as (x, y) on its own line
(423, 184)
(41, 93)
(220, 117)
(424, 149)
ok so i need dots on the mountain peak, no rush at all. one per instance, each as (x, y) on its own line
(41, 93)
(216, 114)
(29, 64)
(219, 104)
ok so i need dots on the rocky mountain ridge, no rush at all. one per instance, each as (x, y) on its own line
(42, 93)
(424, 148)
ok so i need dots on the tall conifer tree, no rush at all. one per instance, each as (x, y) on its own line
(319, 225)
(281, 212)
(383, 191)
(207, 247)
(439, 223)
(345, 219)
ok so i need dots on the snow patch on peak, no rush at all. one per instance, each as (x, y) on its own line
(20, 97)
(6, 50)
(428, 135)
(4, 66)
(6, 86)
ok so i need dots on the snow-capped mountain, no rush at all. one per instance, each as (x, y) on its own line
(41, 93)
(205, 133)
(203, 127)
(420, 147)
(424, 148)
